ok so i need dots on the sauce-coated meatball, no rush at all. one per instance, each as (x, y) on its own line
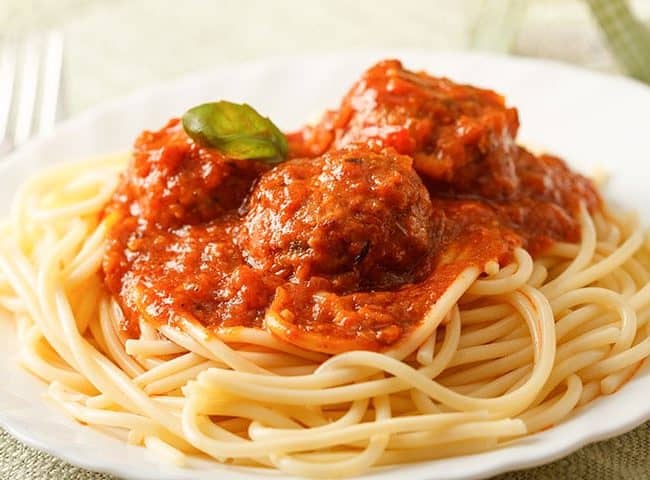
(354, 212)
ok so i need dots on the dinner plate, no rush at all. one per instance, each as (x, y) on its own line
(595, 121)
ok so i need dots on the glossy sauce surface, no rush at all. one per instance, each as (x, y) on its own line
(346, 245)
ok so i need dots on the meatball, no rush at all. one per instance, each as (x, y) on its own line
(459, 136)
(174, 181)
(351, 213)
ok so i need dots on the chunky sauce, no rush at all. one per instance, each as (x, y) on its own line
(346, 245)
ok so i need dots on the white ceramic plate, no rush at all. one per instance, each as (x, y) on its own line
(594, 121)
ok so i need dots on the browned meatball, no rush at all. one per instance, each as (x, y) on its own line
(173, 181)
(458, 135)
(350, 213)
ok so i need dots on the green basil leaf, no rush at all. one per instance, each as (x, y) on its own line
(237, 130)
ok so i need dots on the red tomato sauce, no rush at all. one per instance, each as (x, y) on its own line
(382, 204)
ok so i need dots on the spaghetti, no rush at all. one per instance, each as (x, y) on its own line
(513, 343)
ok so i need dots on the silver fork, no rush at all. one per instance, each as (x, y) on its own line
(30, 87)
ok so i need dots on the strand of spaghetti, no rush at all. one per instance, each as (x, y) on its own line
(607, 298)
(641, 298)
(214, 430)
(311, 416)
(307, 441)
(562, 249)
(617, 362)
(168, 368)
(263, 338)
(347, 467)
(147, 331)
(590, 390)
(250, 410)
(543, 337)
(292, 371)
(51, 241)
(500, 384)
(423, 403)
(113, 344)
(164, 451)
(276, 359)
(554, 410)
(503, 285)
(603, 221)
(486, 314)
(488, 370)
(89, 258)
(149, 363)
(613, 382)
(20, 203)
(536, 334)
(96, 337)
(425, 353)
(576, 318)
(101, 401)
(585, 253)
(112, 418)
(567, 368)
(352, 416)
(579, 317)
(488, 351)
(448, 348)
(609, 282)
(396, 457)
(261, 359)
(218, 349)
(467, 431)
(152, 348)
(539, 276)
(176, 380)
(31, 359)
(600, 337)
(594, 271)
(342, 376)
(506, 271)
(107, 377)
(435, 315)
(463, 447)
(188, 343)
(77, 209)
(626, 221)
(521, 331)
(100, 371)
(490, 332)
(86, 309)
(637, 272)
(22, 277)
(626, 284)
(491, 267)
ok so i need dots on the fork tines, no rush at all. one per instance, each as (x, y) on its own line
(30, 79)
